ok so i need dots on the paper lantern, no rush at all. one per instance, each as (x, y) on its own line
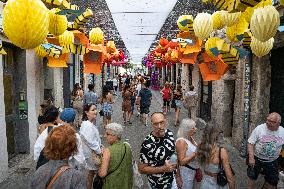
(250, 10)
(237, 29)
(203, 25)
(261, 48)
(25, 22)
(67, 38)
(217, 21)
(185, 23)
(60, 62)
(230, 19)
(96, 36)
(264, 23)
(57, 23)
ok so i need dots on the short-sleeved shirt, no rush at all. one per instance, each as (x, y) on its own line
(146, 96)
(267, 144)
(154, 152)
(90, 97)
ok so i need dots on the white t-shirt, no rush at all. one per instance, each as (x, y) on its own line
(115, 82)
(267, 144)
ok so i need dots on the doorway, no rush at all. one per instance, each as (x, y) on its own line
(277, 82)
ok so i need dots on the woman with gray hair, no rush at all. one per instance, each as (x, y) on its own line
(186, 148)
(116, 167)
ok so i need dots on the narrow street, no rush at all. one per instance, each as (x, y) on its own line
(21, 171)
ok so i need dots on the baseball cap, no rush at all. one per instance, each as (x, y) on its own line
(68, 115)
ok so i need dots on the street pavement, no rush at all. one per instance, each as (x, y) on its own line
(22, 167)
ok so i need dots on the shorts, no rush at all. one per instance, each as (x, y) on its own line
(269, 170)
(166, 102)
(144, 109)
(178, 103)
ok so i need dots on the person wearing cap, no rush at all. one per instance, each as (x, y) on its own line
(66, 116)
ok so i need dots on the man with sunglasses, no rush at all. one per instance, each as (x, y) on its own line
(264, 146)
(155, 153)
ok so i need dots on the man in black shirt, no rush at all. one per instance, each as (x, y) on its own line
(156, 150)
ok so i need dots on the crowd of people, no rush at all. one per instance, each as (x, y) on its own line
(70, 154)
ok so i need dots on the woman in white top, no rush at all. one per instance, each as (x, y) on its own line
(91, 141)
(186, 152)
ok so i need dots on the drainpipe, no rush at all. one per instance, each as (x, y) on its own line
(247, 105)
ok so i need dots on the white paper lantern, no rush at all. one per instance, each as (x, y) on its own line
(261, 48)
(203, 25)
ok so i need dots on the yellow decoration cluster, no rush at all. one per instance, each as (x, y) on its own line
(57, 23)
(203, 25)
(217, 21)
(237, 29)
(25, 22)
(96, 36)
(67, 38)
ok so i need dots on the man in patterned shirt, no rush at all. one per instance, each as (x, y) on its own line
(156, 150)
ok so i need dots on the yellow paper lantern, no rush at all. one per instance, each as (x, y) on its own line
(250, 10)
(185, 23)
(203, 25)
(57, 23)
(261, 48)
(217, 22)
(237, 29)
(264, 23)
(67, 38)
(25, 22)
(96, 36)
(230, 19)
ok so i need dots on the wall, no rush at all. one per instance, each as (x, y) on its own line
(3, 138)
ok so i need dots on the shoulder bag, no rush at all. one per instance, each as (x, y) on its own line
(221, 176)
(59, 172)
(98, 181)
(198, 173)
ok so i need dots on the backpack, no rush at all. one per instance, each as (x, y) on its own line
(42, 159)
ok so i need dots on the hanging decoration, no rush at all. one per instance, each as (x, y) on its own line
(261, 48)
(213, 68)
(81, 20)
(67, 38)
(229, 19)
(185, 23)
(217, 21)
(264, 23)
(96, 36)
(203, 25)
(57, 23)
(60, 62)
(237, 29)
(25, 33)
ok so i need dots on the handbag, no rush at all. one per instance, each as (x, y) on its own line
(137, 177)
(98, 181)
(59, 172)
(198, 173)
(221, 176)
(101, 112)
